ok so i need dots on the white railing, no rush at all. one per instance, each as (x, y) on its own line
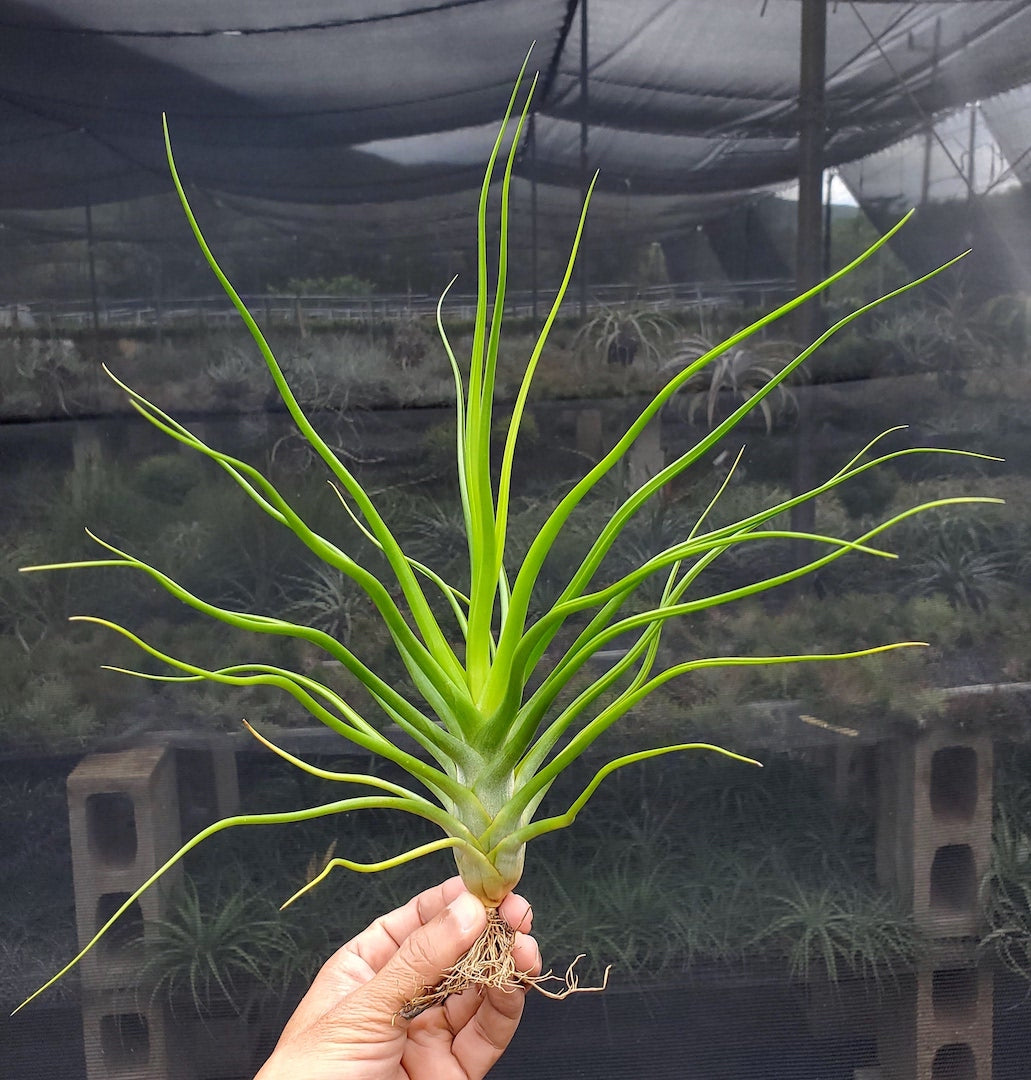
(271, 310)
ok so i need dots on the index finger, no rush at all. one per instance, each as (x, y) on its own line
(377, 943)
(356, 962)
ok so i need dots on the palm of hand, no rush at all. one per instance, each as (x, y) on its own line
(347, 1023)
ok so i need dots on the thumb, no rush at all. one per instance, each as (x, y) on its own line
(421, 961)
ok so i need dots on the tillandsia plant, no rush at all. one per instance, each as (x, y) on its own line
(500, 716)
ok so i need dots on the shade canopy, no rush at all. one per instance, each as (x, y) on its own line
(334, 103)
(324, 119)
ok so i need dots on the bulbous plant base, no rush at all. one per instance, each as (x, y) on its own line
(489, 963)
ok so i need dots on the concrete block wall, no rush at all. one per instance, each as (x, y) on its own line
(123, 811)
(939, 1024)
(935, 827)
(934, 832)
(209, 788)
(127, 812)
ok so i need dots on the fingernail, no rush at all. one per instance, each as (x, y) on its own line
(468, 911)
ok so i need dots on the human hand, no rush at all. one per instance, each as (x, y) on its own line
(347, 1026)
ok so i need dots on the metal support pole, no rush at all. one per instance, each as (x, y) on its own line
(91, 263)
(828, 218)
(925, 180)
(809, 253)
(532, 139)
(810, 153)
(159, 300)
(971, 176)
(584, 180)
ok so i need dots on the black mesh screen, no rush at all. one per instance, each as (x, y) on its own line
(859, 908)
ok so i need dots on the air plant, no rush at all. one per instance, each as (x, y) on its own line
(494, 728)
(738, 373)
(206, 957)
(620, 331)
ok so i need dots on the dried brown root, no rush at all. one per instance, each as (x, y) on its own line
(489, 963)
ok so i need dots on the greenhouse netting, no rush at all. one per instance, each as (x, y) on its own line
(816, 562)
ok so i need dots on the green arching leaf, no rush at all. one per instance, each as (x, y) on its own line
(306, 691)
(400, 711)
(487, 576)
(537, 638)
(432, 635)
(627, 584)
(454, 597)
(484, 555)
(539, 548)
(280, 510)
(532, 714)
(508, 456)
(632, 622)
(366, 779)
(598, 550)
(618, 708)
(563, 821)
(463, 480)
(376, 867)
(377, 802)
(611, 599)
(588, 644)
(539, 704)
(497, 314)
(171, 427)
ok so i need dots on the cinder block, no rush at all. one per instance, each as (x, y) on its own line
(645, 458)
(934, 831)
(589, 438)
(934, 827)
(128, 1037)
(123, 812)
(939, 1026)
(209, 788)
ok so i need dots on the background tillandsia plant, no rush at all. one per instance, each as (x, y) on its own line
(518, 700)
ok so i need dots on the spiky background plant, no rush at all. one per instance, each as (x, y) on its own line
(501, 716)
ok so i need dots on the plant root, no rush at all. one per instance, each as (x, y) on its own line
(489, 963)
